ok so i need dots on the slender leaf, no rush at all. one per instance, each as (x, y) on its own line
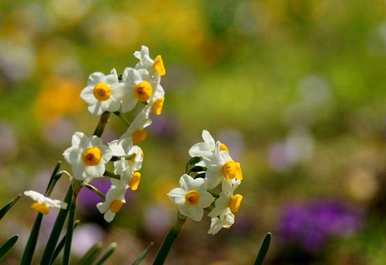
(91, 255)
(263, 249)
(56, 230)
(4, 248)
(53, 179)
(8, 206)
(60, 246)
(109, 251)
(70, 230)
(31, 243)
(138, 260)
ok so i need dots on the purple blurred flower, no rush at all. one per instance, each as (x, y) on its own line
(88, 199)
(85, 236)
(311, 225)
(164, 127)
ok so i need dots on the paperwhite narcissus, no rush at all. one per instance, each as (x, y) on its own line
(87, 156)
(42, 203)
(226, 206)
(155, 66)
(115, 199)
(136, 131)
(206, 149)
(138, 86)
(130, 158)
(191, 197)
(102, 93)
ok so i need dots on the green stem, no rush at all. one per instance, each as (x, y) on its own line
(122, 118)
(263, 249)
(70, 228)
(56, 230)
(168, 241)
(102, 124)
(31, 243)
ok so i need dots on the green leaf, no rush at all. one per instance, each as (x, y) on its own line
(109, 251)
(138, 260)
(61, 244)
(70, 230)
(53, 179)
(263, 249)
(8, 206)
(56, 230)
(31, 243)
(91, 255)
(4, 248)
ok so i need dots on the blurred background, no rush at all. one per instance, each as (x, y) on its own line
(295, 88)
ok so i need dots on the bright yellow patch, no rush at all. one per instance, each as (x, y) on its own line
(143, 91)
(192, 197)
(158, 106)
(91, 156)
(232, 170)
(102, 91)
(139, 136)
(235, 202)
(135, 181)
(116, 205)
(223, 147)
(158, 66)
(40, 207)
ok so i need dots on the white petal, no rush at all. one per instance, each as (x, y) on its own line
(177, 195)
(194, 213)
(109, 216)
(207, 137)
(206, 199)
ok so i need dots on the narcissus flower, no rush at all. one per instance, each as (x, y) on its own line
(115, 199)
(207, 148)
(136, 131)
(42, 203)
(154, 66)
(102, 93)
(87, 156)
(191, 197)
(130, 158)
(226, 206)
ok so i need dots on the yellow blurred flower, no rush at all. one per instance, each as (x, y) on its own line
(56, 98)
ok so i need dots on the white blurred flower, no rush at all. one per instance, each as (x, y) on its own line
(85, 236)
(87, 156)
(102, 93)
(115, 199)
(42, 203)
(130, 158)
(155, 67)
(191, 197)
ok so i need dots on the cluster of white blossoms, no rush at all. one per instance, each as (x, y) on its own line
(214, 189)
(89, 156)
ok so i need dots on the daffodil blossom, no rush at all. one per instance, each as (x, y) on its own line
(156, 101)
(115, 199)
(226, 206)
(102, 93)
(42, 203)
(87, 156)
(191, 197)
(136, 131)
(155, 66)
(129, 163)
(138, 86)
(207, 148)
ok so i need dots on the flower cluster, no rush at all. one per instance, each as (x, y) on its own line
(210, 184)
(89, 156)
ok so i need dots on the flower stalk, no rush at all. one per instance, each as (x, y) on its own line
(169, 240)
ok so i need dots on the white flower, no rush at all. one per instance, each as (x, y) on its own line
(138, 85)
(191, 197)
(157, 100)
(155, 66)
(225, 220)
(216, 158)
(115, 199)
(42, 203)
(136, 131)
(102, 93)
(130, 161)
(87, 156)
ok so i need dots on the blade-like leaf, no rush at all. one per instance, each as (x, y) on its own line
(55, 232)
(263, 249)
(53, 179)
(91, 255)
(31, 243)
(61, 244)
(4, 248)
(138, 260)
(8, 206)
(70, 230)
(109, 251)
